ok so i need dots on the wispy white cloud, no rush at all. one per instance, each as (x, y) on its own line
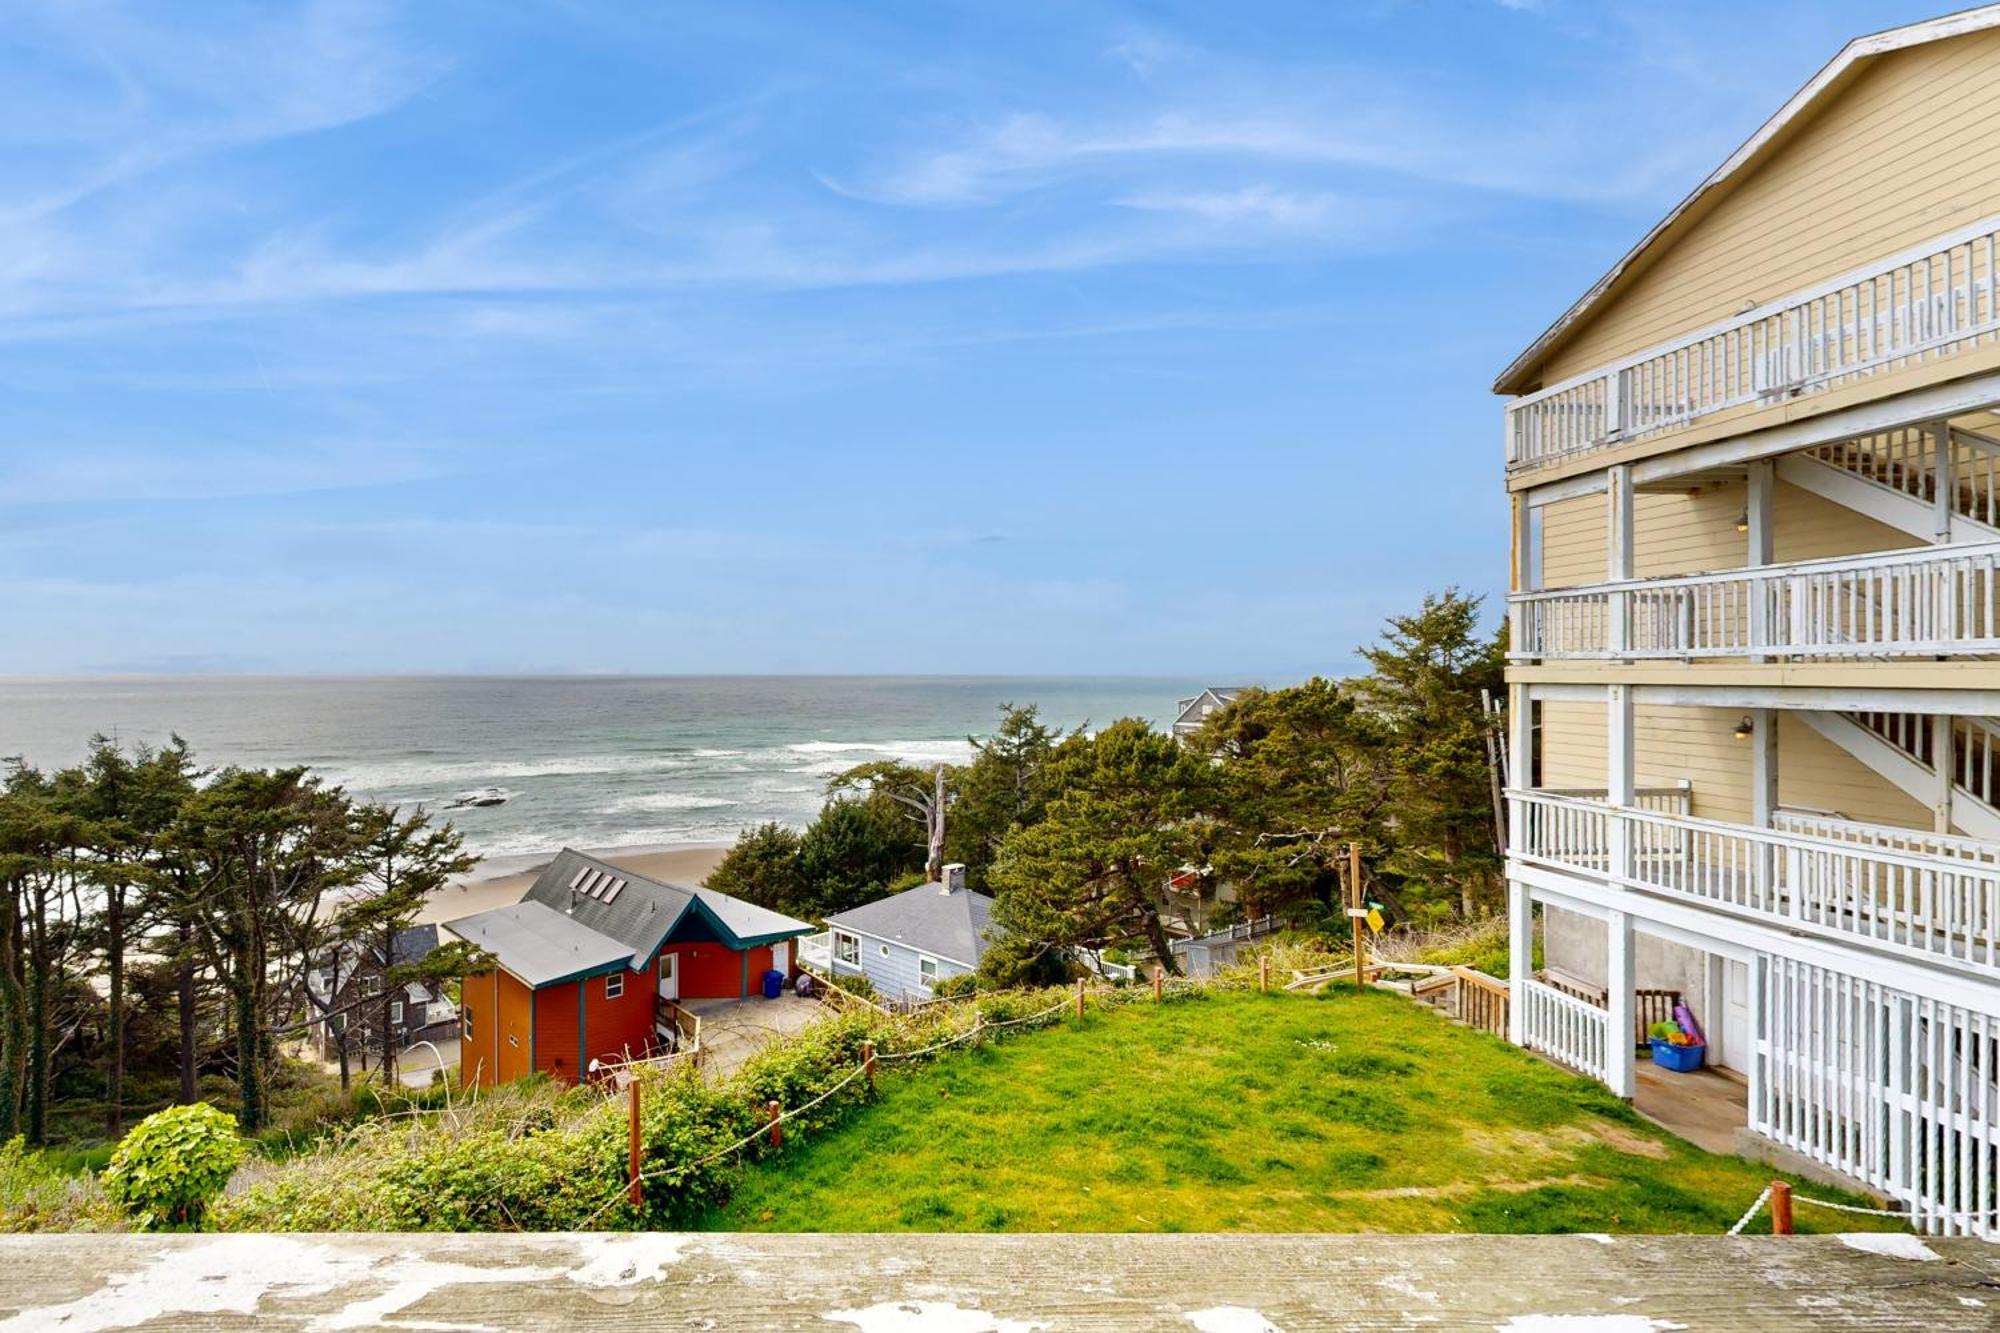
(85, 473)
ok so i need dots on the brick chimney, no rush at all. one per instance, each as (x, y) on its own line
(952, 878)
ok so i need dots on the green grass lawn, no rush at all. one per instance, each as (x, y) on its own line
(1249, 1112)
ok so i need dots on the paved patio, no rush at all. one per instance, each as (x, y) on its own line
(1706, 1108)
(734, 1030)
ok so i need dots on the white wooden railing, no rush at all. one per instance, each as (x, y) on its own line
(1562, 1027)
(1917, 305)
(816, 951)
(1909, 461)
(1914, 902)
(1919, 842)
(1924, 602)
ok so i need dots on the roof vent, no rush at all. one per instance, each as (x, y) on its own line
(952, 878)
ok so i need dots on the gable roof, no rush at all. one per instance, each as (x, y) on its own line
(413, 945)
(641, 913)
(1215, 696)
(583, 915)
(1523, 373)
(945, 924)
(541, 946)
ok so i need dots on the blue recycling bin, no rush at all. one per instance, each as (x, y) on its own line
(774, 984)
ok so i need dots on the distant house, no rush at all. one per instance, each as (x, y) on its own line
(588, 956)
(344, 982)
(906, 943)
(1189, 714)
(1208, 954)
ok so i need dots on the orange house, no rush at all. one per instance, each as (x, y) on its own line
(586, 958)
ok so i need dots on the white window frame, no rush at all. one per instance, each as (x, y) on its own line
(395, 1012)
(885, 950)
(846, 948)
(614, 986)
(929, 978)
(371, 984)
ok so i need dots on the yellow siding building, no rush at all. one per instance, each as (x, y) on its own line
(1754, 685)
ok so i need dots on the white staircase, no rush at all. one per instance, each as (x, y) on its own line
(1894, 478)
(1904, 749)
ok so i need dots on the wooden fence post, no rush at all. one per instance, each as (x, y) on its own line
(777, 1125)
(1159, 980)
(1781, 1208)
(868, 1063)
(633, 1089)
(1263, 971)
(1354, 906)
(1079, 999)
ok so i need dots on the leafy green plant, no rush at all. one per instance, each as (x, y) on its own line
(1665, 1030)
(173, 1163)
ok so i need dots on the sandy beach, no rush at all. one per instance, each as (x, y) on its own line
(503, 880)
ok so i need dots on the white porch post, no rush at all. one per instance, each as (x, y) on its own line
(1520, 907)
(1762, 547)
(1618, 561)
(1764, 794)
(1944, 760)
(1620, 980)
(1520, 958)
(1619, 780)
(1942, 461)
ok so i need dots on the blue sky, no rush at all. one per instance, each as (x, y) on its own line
(902, 337)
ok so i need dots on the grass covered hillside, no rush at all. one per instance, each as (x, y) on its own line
(1242, 1111)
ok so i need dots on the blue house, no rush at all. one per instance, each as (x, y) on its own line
(906, 943)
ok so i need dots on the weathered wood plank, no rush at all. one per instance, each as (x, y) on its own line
(1008, 1284)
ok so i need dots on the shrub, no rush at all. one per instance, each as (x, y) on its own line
(50, 1191)
(959, 984)
(172, 1163)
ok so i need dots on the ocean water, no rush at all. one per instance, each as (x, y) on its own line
(586, 761)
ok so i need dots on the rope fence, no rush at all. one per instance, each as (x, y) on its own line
(1780, 1197)
(770, 1127)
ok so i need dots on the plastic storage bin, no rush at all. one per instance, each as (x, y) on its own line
(1680, 1059)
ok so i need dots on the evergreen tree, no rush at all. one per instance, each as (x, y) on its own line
(1129, 811)
(1301, 772)
(1427, 674)
(763, 868)
(1006, 785)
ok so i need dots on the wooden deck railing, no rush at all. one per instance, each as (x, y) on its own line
(1918, 305)
(1916, 603)
(685, 1022)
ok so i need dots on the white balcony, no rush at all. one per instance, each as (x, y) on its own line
(1926, 602)
(1896, 891)
(1932, 300)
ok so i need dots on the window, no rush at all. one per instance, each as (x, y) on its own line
(465, 1021)
(395, 1013)
(885, 951)
(614, 986)
(927, 970)
(846, 949)
(371, 985)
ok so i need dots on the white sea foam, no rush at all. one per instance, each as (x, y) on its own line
(668, 800)
(467, 772)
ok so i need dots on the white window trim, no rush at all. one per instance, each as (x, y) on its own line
(846, 948)
(395, 1011)
(885, 951)
(930, 979)
(614, 986)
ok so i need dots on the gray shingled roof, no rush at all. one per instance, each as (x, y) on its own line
(540, 945)
(629, 916)
(928, 919)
